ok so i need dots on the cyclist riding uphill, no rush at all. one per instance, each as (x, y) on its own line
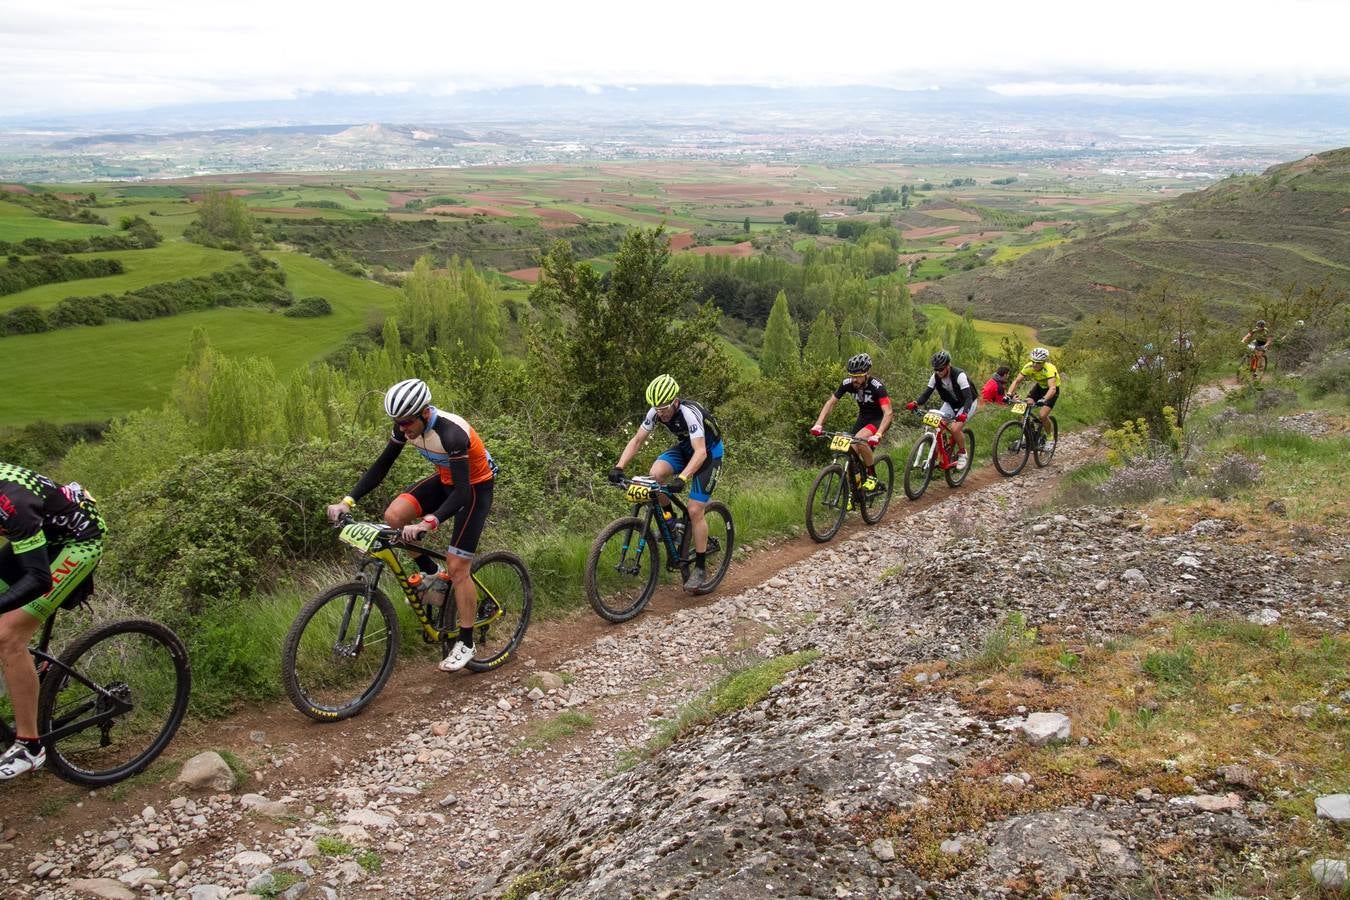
(958, 399)
(694, 459)
(1046, 391)
(1259, 337)
(874, 410)
(55, 541)
(461, 487)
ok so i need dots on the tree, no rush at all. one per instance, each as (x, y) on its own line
(808, 221)
(454, 310)
(602, 340)
(822, 342)
(747, 225)
(782, 340)
(895, 311)
(221, 218)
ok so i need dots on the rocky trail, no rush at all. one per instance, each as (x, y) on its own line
(532, 779)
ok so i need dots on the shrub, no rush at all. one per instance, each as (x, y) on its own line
(310, 307)
(1231, 475)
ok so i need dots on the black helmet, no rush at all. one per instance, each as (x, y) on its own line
(1260, 323)
(940, 359)
(859, 363)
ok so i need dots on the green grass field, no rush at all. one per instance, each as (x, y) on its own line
(96, 373)
(167, 262)
(18, 222)
(990, 332)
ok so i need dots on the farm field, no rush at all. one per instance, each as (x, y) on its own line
(17, 223)
(991, 333)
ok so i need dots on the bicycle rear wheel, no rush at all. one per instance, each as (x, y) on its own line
(505, 598)
(954, 475)
(340, 651)
(1045, 452)
(875, 502)
(918, 470)
(621, 569)
(721, 543)
(1011, 448)
(826, 503)
(116, 704)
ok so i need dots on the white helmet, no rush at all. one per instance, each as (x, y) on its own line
(1040, 354)
(407, 398)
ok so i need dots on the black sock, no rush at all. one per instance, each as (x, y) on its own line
(699, 560)
(32, 745)
(426, 564)
(466, 636)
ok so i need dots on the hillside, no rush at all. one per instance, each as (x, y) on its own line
(1243, 238)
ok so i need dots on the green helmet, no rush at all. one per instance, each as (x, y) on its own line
(662, 390)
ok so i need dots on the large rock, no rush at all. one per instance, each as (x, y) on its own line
(1329, 873)
(1335, 807)
(106, 888)
(208, 772)
(1041, 728)
(251, 862)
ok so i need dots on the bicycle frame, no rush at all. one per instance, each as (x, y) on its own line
(853, 465)
(105, 704)
(653, 513)
(1031, 420)
(939, 447)
(377, 545)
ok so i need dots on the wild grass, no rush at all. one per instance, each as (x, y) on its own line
(562, 726)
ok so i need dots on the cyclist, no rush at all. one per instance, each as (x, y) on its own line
(874, 411)
(55, 542)
(695, 459)
(1046, 391)
(993, 390)
(958, 399)
(461, 487)
(1258, 340)
(1151, 360)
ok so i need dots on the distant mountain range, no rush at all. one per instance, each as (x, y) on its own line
(544, 124)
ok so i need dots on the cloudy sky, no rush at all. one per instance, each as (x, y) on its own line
(103, 55)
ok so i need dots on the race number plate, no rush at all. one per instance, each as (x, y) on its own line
(933, 418)
(1019, 408)
(639, 493)
(840, 442)
(359, 535)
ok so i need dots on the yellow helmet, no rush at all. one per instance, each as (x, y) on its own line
(662, 390)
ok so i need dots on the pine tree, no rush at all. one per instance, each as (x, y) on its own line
(782, 340)
(822, 342)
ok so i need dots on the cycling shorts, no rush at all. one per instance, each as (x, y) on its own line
(949, 413)
(428, 494)
(870, 423)
(72, 564)
(1038, 392)
(705, 479)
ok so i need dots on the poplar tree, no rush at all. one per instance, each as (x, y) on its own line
(822, 342)
(782, 340)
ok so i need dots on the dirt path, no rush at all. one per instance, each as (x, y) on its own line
(304, 762)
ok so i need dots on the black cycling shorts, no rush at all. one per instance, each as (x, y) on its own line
(1038, 392)
(429, 493)
(864, 421)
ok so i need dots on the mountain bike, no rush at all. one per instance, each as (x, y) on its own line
(341, 648)
(839, 488)
(936, 446)
(624, 562)
(1020, 438)
(1253, 363)
(110, 702)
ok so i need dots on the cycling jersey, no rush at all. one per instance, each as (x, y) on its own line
(55, 539)
(1042, 377)
(955, 390)
(1260, 338)
(690, 421)
(448, 443)
(871, 396)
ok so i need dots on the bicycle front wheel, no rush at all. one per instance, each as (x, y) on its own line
(826, 503)
(340, 651)
(505, 598)
(721, 543)
(875, 502)
(918, 470)
(621, 569)
(114, 702)
(1011, 448)
(954, 475)
(1046, 451)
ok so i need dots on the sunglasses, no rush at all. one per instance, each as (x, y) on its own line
(404, 423)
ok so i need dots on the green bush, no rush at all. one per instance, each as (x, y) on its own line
(309, 308)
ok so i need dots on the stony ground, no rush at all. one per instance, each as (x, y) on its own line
(537, 790)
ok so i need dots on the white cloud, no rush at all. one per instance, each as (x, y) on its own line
(82, 54)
